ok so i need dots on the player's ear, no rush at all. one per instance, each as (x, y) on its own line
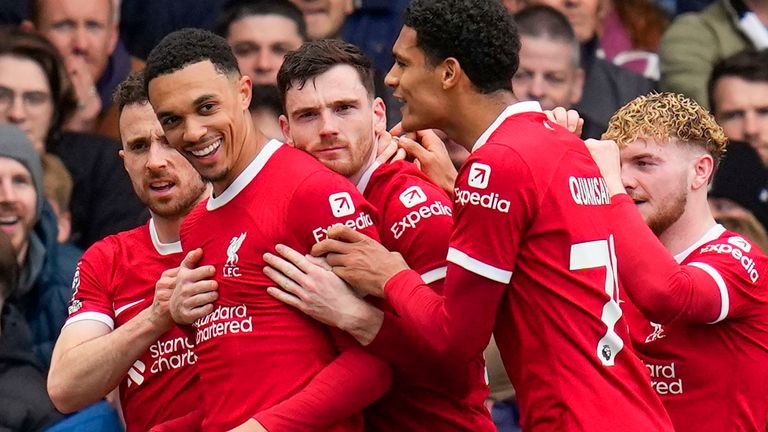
(450, 72)
(379, 115)
(703, 168)
(245, 91)
(286, 128)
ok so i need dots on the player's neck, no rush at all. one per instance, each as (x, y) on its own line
(355, 178)
(474, 114)
(167, 228)
(689, 228)
(251, 143)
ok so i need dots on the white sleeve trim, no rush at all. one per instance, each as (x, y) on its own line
(434, 275)
(725, 301)
(478, 267)
(92, 316)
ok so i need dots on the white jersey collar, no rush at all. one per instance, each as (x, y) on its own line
(716, 231)
(244, 179)
(160, 247)
(517, 108)
(366, 177)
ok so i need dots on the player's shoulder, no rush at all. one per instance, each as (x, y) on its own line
(194, 216)
(731, 251)
(402, 178)
(111, 246)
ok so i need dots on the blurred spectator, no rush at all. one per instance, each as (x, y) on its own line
(549, 70)
(24, 403)
(607, 87)
(57, 184)
(695, 42)
(324, 17)
(743, 179)
(144, 23)
(630, 35)
(260, 33)
(36, 96)
(738, 97)
(86, 34)
(266, 109)
(44, 286)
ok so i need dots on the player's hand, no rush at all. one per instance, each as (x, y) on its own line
(195, 291)
(309, 285)
(387, 149)
(160, 310)
(568, 119)
(249, 426)
(608, 158)
(358, 259)
(430, 155)
(88, 100)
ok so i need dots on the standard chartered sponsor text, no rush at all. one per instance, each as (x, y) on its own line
(222, 321)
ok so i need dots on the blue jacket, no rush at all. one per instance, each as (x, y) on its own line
(44, 287)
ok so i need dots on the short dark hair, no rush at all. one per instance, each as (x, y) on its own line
(131, 91)
(9, 269)
(750, 65)
(316, 57)
(266, 97)
(189, 46)
(480, 34)
(235, 10)
(32, 46)
(544, 22)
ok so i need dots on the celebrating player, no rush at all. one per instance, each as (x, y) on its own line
(531, 254)
(332, 113)
(701, 323)
(119, 331)
(264, 365)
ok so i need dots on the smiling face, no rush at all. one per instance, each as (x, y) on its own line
(333, 118)
(659, 178)
(204, 114)
(25, 98)
(260, 43)
(162, 178)
(416, 84)
(18, 201)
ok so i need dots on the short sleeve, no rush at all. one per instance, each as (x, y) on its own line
(91, 285)
(495, 200)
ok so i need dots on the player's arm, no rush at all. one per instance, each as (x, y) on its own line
(90, 359)
(346, 386)
(660, 288)
(481, 258)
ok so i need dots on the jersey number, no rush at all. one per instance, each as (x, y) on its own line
(596, 254)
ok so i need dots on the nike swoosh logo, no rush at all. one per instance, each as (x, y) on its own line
(123, 308)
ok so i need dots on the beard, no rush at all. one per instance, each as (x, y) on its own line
(665, 217)
(181, 205)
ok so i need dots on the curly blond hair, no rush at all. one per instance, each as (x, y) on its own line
(666, 116)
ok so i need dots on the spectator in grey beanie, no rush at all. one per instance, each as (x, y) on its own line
(46, 271)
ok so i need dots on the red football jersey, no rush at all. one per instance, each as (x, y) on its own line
(254, 351)
(713, 376)
(531, 258)
(114, 281)
(429, 393)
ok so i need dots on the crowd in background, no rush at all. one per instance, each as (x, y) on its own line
(61, 61)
